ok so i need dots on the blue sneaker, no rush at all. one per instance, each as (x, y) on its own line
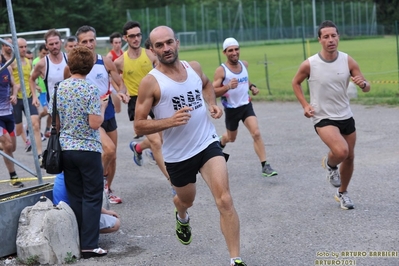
(137, 157)
(150, 156)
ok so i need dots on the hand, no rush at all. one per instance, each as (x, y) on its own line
(123, 97)
(254, 90)
(308, 111)
(216, 112)
(358, 80)
(182, 116)
(233, 83)
(35, 101)
(13, 99)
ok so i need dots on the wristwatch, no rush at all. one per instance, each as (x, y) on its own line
(364, 85)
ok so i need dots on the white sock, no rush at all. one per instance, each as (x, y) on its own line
(233, 259)
(185, 220)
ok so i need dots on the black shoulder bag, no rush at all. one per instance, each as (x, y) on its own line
(52, 156)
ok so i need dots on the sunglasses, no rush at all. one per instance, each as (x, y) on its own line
(132, 36)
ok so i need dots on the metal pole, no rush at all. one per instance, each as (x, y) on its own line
(22, 83)
(397, 45)
(304, 56)
(267, 76)
(314, 18)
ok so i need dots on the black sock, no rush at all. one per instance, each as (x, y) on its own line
(13, 174)
(333, 168)
(263, 163)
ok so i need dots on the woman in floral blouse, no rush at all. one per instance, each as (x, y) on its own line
(80, 113)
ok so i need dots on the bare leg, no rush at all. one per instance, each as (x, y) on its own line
(215, 175)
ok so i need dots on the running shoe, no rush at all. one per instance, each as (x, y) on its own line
(173, 190)
(183, 231)
(138, 136)
(40, 158)
(28, 147)
(150, 156)
(112, 198)
(43, 137)
(15, 183)
(268, 171)
(238, 263)
(344, 200)
(137, 157)
(332, 174)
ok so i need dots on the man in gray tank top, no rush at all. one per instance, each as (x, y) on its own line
(329, 73)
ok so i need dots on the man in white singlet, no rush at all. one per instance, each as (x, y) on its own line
(180, 95)
(232, 84)
(329, 73)
(51, 67)
(100, 75)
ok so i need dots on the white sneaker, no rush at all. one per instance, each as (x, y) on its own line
(344, 200)
(333, 175)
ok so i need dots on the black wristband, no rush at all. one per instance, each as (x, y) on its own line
(364, 85)
(252, 85)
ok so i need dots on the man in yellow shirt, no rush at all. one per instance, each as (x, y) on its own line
(134, 64)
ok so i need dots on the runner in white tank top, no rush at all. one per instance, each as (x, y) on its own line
(179, 143)
(231, 83)
(180, 95)
(329, 73)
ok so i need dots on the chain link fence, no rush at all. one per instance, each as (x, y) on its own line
(205, 25)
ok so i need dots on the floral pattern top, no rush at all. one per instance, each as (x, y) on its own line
(76, 99)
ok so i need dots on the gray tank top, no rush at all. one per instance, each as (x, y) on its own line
(328, 83)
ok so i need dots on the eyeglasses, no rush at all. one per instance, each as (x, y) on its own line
(132, 36)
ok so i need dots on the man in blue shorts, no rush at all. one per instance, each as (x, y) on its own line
(109, 220)
(41, 88)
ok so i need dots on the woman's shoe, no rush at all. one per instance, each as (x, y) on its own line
(98, 252)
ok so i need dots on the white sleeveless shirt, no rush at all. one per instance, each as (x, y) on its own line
(183, 142)
(328, 83)
(99, 76)
(54, 73)
(239, 96)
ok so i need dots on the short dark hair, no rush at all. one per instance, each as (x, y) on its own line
(85, 29)
(51, 33)
(147, 43)
(29, 52)
(42, 47)
(130, 25)
(114, 35)
(71, 38)
(326, 24)
(80, 60)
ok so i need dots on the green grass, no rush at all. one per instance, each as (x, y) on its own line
(377, 58)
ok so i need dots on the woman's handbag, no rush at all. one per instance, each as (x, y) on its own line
(52, 156)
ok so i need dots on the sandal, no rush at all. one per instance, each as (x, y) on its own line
(97, 252)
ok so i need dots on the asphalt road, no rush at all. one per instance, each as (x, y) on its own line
(289, 219)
